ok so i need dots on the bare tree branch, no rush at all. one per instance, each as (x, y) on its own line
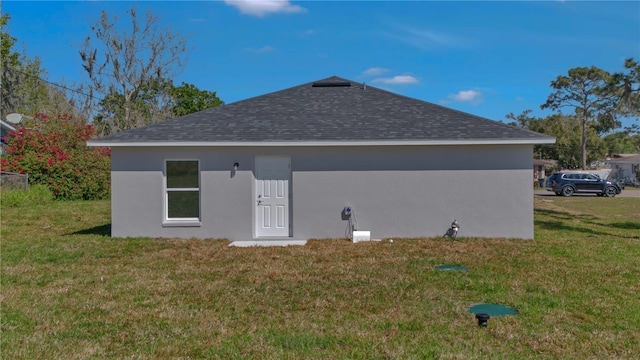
(130, 70)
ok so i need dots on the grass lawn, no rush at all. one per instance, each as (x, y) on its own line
(70, 291)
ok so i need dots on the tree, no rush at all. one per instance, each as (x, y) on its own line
(187, 99)
(627, 88)
(54, 153)
(110, 118)
(128, 71)
(526, 121)
(620, 143)
(178, 101)
(51, 144)
(23, 88)
(566, 130)
(9, 59)
(585, 90)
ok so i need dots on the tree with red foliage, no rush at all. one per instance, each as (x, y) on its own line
(53, 151)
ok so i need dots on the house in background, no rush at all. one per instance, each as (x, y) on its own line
(624, 166)
(4, 132)
(317, 160)
(540, 169)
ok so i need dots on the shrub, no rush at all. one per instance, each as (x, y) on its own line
(54, 154)
(36, 195)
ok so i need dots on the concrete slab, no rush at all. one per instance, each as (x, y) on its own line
(265, 243)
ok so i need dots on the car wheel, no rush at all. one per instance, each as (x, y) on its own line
(567, 191)
(609, 191)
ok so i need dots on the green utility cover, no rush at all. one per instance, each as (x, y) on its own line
(493, 310)
(452, 268)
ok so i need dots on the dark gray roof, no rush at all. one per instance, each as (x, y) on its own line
(345, 112)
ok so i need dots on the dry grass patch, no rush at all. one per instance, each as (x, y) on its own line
(70, 291)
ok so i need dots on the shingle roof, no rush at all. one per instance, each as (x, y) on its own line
(334, 110)
(631, 159)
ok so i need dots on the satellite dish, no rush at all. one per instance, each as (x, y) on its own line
(14, 118)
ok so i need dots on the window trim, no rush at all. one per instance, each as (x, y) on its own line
(180, 222)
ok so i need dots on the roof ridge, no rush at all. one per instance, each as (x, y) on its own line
(355, 113)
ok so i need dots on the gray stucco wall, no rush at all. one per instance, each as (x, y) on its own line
(403, 191)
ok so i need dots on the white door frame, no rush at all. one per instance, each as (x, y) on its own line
(272, 196)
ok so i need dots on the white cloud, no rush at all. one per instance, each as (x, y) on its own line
(261, 8)
(397, 80)
(264, 49)
(472, 96)
(374, 71)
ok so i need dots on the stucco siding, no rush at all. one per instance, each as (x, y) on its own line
(403, 191)
(415, 191)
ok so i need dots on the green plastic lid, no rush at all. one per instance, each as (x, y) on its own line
(452, 268)
(493, 310)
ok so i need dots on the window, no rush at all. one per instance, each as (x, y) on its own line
(182, 190)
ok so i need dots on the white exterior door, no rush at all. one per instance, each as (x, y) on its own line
(273, 174)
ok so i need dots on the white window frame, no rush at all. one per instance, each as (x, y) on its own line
(194, 221)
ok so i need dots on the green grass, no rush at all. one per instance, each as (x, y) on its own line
(36, 195)
(71, 291)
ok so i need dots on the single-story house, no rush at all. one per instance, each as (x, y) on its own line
(540, 168)
(4, 133)
(624, 166)
(318, 160)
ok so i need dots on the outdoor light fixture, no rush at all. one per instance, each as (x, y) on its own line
(454, 228)
(235, 166)
(452, 232)
(482, 319)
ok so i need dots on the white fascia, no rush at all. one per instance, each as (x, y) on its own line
(7, 125)
(538, 141)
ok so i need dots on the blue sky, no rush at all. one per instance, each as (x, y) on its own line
(482, 57)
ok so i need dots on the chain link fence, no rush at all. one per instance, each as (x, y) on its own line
(14, 181)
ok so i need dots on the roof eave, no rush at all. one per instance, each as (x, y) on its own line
(535, 141)
(7, 126)
(634, 160)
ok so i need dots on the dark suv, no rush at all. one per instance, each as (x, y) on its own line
(567, 183)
